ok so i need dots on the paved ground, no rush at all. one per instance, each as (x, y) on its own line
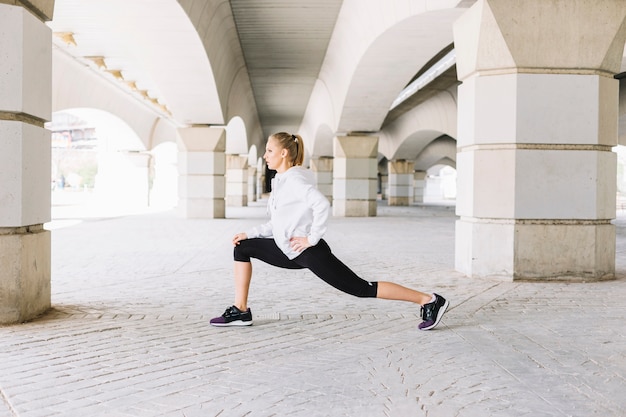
(129, 334)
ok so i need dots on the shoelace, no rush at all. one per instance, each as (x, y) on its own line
(230, 311)
(426, 313)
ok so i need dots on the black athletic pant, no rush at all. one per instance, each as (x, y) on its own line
(319, 259)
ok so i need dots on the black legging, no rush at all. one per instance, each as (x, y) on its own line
(319, 259)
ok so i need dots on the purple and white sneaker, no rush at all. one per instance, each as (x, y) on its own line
(433, 312)
(233, 317)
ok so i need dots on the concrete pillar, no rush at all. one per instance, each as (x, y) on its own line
(201, 167)
(419, 183)
(323, 170)
(260, 179)
(252, 184)
(25, 161)
(236, 181)
(354, 176)
(384, 186)
(400, 182)
(537, 119)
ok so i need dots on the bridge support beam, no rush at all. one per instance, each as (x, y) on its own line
(323, 170)
(201, 167)
(419, 184)
(537, 120)
(400, 182)
(236, 181)
(252, 184)
(25, 161)
(354, 176)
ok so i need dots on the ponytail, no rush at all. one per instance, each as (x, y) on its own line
(294, 145)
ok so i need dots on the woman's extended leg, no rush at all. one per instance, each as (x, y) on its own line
(393, 291)
(433, 306)
(320, 260)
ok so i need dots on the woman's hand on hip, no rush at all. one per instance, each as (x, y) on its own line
(299, 243)
(238, 238)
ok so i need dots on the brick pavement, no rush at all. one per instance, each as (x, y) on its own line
(129, 334)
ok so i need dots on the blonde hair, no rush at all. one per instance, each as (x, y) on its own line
(293, 144)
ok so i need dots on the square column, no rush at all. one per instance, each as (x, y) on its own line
(236, 181)
(400, 182)
(252, 184)
(201, 167)
(354, 176)
(419, 183)
(536, 175)
(25, 164)
(323, 170)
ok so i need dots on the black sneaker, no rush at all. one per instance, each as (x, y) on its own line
(433, 312)
(233, 317)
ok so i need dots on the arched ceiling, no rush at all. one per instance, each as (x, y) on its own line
(175, 54)
(156, 50)
(150, 49)
(390, 63)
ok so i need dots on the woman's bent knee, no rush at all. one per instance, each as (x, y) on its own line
(239, 254)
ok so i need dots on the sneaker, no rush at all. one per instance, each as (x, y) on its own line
(233, 317)
(433, 312)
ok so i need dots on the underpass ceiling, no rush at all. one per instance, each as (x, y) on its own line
(284, 43)
(149, 50)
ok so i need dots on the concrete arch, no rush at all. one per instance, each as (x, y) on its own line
(441, 151)
(216, 28)
(318, 125)
(169, 68)
(393, 58)
(236, 137)
(243, 106)
(447, 162)
(412, 132)
(322, 141)
(253, 156)
(75, 86)
(114, 133)
(163, 131)
(371, 57)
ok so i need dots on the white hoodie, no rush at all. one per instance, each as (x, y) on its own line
(296, 208)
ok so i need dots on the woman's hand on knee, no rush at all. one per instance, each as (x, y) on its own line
(238, 238)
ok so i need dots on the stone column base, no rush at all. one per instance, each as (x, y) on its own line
(536, 250)
(24, 273)
(354, 208)
(354, 176)
(399, 201)
(236, 181)
(401, 177)
(202, 208)
(419, 183)
(201, 165)
(323, 170)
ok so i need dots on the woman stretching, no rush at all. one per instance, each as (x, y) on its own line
(293, 239)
